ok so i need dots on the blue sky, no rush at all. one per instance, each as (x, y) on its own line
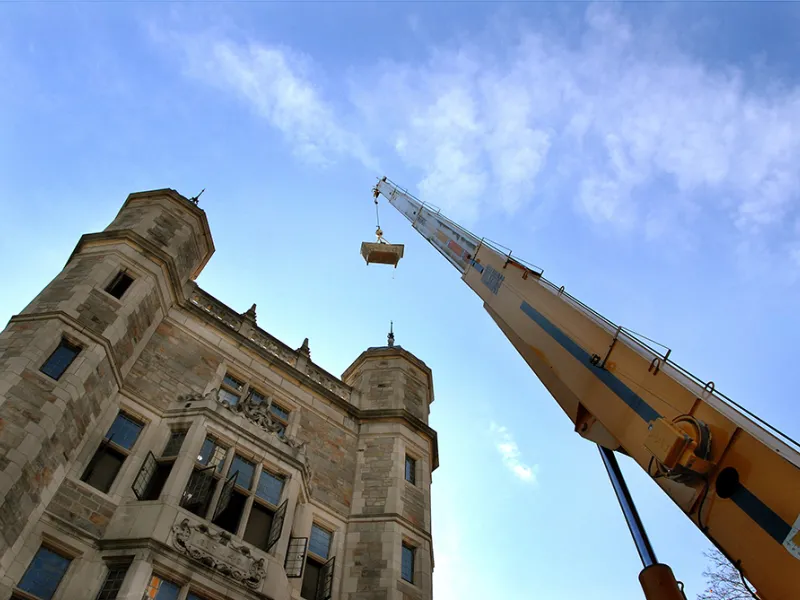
(643, 154)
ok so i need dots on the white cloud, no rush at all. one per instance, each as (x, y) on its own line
(609, 121)
(509, 452)
(618, 124)
(278, 84)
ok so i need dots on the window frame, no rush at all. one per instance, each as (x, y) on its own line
(222, 472)
(412, 549)
(414, 462)
(165, 461)
(17, 591)
(107, 443)
(215, 471)
(110, 565)
(67, 342)
(185, 588)
(313, 554)
(320, 562)
(123, 272)
(247, 390)
(158, 573)
(240, 393)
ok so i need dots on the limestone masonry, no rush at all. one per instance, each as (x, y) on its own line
(157, 444)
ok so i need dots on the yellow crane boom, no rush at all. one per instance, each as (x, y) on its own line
(733, 475)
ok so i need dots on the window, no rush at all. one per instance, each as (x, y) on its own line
(113, 582)
(265, 522)
(153, 475)
(320, 542)
(212, 454)
(280, 416)
(411, 470)
(231, 390)
(119, 285)
(233, 499)
(270, 487)
(161, 589)
(317, 570)
(244, 470)
(102, 470)
(44, 574)
(310, 579)
(174, 443)
(205, 477)
(60, 360)
(255, 397)
(407, 566)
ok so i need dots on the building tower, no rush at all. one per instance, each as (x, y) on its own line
(155, 443)
(389, 551)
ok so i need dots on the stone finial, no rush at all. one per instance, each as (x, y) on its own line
(390, 337)
(304, 349)
(251, 313)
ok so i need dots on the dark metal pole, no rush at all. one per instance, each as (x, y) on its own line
(635, 525)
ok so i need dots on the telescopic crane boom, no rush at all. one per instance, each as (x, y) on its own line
(733, 475)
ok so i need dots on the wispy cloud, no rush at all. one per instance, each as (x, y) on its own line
(605, 119)
(509, 451)
(278, 84)
(619, 125)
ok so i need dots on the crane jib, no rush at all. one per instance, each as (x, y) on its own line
(749, 503)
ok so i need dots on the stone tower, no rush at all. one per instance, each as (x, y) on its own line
(161, 241)
(390, 525)
(155, 443)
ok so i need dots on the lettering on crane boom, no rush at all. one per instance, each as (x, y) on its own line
(492, 279)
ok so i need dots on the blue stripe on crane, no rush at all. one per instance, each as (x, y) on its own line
(626, 394)
(770, 522)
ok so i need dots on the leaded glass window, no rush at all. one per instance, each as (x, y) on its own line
(245, 470)
(320, 541)
(269, 487)
(60, 360)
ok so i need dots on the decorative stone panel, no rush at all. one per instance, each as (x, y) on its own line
(216, 550)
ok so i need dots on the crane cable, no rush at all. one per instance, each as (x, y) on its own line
(378, 231)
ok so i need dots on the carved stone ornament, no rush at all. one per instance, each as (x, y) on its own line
(216, 551)
(196, 397)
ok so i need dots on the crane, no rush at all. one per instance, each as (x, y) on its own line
(736, 477)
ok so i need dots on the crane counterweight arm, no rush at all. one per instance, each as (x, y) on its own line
(736, 479)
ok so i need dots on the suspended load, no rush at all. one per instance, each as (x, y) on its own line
(381, 251)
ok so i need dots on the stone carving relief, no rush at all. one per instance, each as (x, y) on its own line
(217, 310)
(196, 397)
(217, 551)
(264, 342)
(320, 377)
(259, 413)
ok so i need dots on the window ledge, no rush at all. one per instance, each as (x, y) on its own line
(109, 296)
(405, 582)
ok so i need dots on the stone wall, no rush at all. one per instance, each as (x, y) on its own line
(42, 425)
(331, 452)
(82, 507)
(376, 474)
(75, 273)
(414, 504)
(367, 562)
(172, 364)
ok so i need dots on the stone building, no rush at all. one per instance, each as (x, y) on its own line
(155, 443)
